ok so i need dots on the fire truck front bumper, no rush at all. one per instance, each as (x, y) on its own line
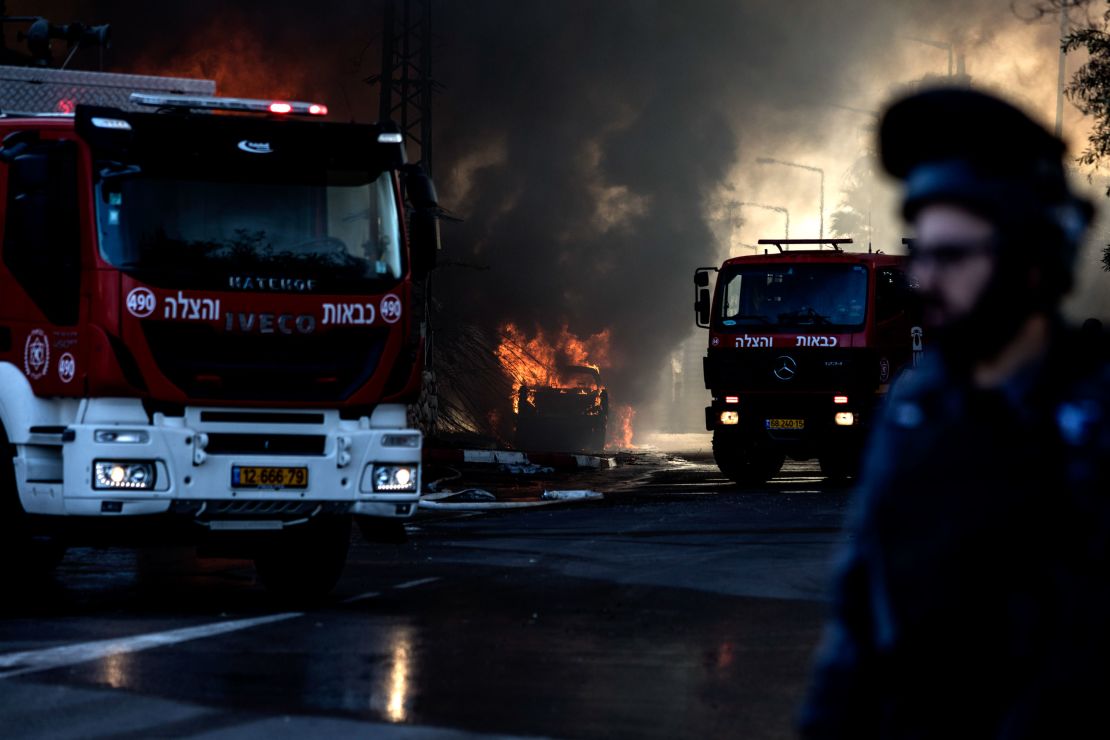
(802, 423)
(223, 466)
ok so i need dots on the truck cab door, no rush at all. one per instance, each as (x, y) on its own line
(895, 314)
(42, 237)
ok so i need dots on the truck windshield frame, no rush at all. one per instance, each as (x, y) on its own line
(803, 296)
(340, 230)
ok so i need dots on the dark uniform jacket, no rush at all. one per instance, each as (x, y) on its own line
(973, 599)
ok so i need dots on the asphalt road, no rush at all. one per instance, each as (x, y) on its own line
(679, 606)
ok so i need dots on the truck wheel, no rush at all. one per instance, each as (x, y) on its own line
(37, 554)
(304, 563)
(743, 463)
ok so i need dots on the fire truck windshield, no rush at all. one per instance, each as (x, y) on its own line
(801, 295)
(343, 232)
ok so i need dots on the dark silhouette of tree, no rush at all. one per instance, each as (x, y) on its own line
(1089, 88)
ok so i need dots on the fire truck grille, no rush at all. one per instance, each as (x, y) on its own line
(220, 443)
(206, 363)
(209, 510)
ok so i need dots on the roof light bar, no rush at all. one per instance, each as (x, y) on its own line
(250, 105)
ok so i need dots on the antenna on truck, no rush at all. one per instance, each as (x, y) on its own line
(834, 243)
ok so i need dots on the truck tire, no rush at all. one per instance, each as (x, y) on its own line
(304, 563)
(744, 463)
(37, 555)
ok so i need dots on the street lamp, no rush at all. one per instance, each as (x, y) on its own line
(942, 45)
(819, 171)
(777, 209)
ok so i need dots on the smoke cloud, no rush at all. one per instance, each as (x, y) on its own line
(597, 151)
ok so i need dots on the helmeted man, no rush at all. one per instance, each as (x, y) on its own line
(973, 599)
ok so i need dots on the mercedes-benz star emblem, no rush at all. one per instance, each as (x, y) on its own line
(785, 368)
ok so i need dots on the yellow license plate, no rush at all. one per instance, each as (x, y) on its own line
(786, 423)
(252, 476)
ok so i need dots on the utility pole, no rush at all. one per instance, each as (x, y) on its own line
(405, 101)
(405, 82)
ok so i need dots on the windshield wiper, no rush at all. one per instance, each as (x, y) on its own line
(804, 313)
(749, 317)
(113, 170)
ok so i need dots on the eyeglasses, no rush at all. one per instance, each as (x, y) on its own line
(949, 254)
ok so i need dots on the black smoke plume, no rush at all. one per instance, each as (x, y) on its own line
(585, 145)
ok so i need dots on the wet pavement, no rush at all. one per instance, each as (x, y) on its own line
(676, 607)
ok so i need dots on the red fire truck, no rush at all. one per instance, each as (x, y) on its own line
(803, 342)
(206, 321)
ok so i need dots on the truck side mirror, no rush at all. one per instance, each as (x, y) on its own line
(702, 301)
(701, 307)
(420, 193)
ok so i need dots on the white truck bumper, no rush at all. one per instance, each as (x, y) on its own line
(194, 460)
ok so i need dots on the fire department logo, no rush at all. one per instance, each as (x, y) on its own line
(67, 367)
(391, 309)
(785, 368)
(36, 354)
(884, 370)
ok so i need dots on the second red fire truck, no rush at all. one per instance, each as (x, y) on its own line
(803, 342)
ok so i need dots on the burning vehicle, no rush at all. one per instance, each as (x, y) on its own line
(568, 415)
(559, 402)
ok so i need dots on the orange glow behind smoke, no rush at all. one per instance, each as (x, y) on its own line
(242, 64)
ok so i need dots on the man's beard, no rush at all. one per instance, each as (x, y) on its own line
(1005, 305)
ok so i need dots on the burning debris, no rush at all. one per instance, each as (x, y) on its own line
(621, 437)
(558, 397)
(569, 414)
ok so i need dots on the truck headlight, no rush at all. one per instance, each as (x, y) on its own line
(845, 419)
(394, 477)
(729, 418)
(117, 474)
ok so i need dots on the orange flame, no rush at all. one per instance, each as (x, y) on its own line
(621, 437)
(536, 360)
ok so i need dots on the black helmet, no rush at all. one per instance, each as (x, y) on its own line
(961, 146)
